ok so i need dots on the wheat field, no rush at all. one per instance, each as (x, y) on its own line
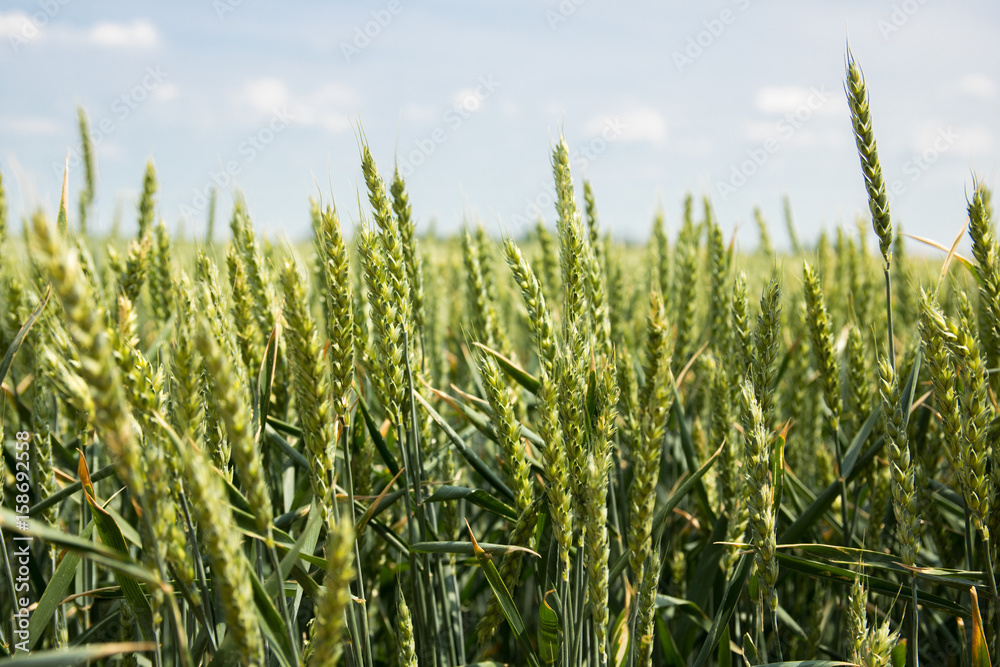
(387, 448)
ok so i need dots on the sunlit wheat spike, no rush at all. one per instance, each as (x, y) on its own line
(89, 172)
(685, 284)
(558, 484)
(760, 492)
(793, 236)
(859, 374)
(655, 404)
(597, 276)
(57, 360)
(508, 431)
(484, 316)
(590, 212)
(821, 331)
(979, 415)
(222, 542)
(660, 255)
(136, 268)
(162, 470)
(411, 249)
(339, 304)
(233, 404)
(742, 337)
(646, 611)
(596, 518)
(326, 643)
(45, 418)
(987, 253)
(722, 435)
(310, 384)
(878, 202)
(255, 267)
(404, 627)
(765, 350)
(143, 387)
(597, 470)
(959, 378)
(246, 329)
(187, 406)
(718, 321)
(857, 619)
(571, 380)
(628, 397)
(539, 318)
(393, 254)
(903, 475)
(161, 279)
(939, 339)
(386, 338)
(572, 244)
(147, 204)
(15, 307)
(90, 268)
(765, 247)
(878, 647)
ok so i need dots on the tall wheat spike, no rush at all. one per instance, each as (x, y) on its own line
(878, 202)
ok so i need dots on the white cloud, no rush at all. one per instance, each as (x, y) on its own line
(20, 28)
(637, 123)
(16, 26)
(324, 107)
(13, 23)
(469, 99)
(31, 125)
(264, 95)
(798, 100)
(977, 85)
(165, 92)
(139, 34)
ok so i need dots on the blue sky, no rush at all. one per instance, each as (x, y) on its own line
(740, 99)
